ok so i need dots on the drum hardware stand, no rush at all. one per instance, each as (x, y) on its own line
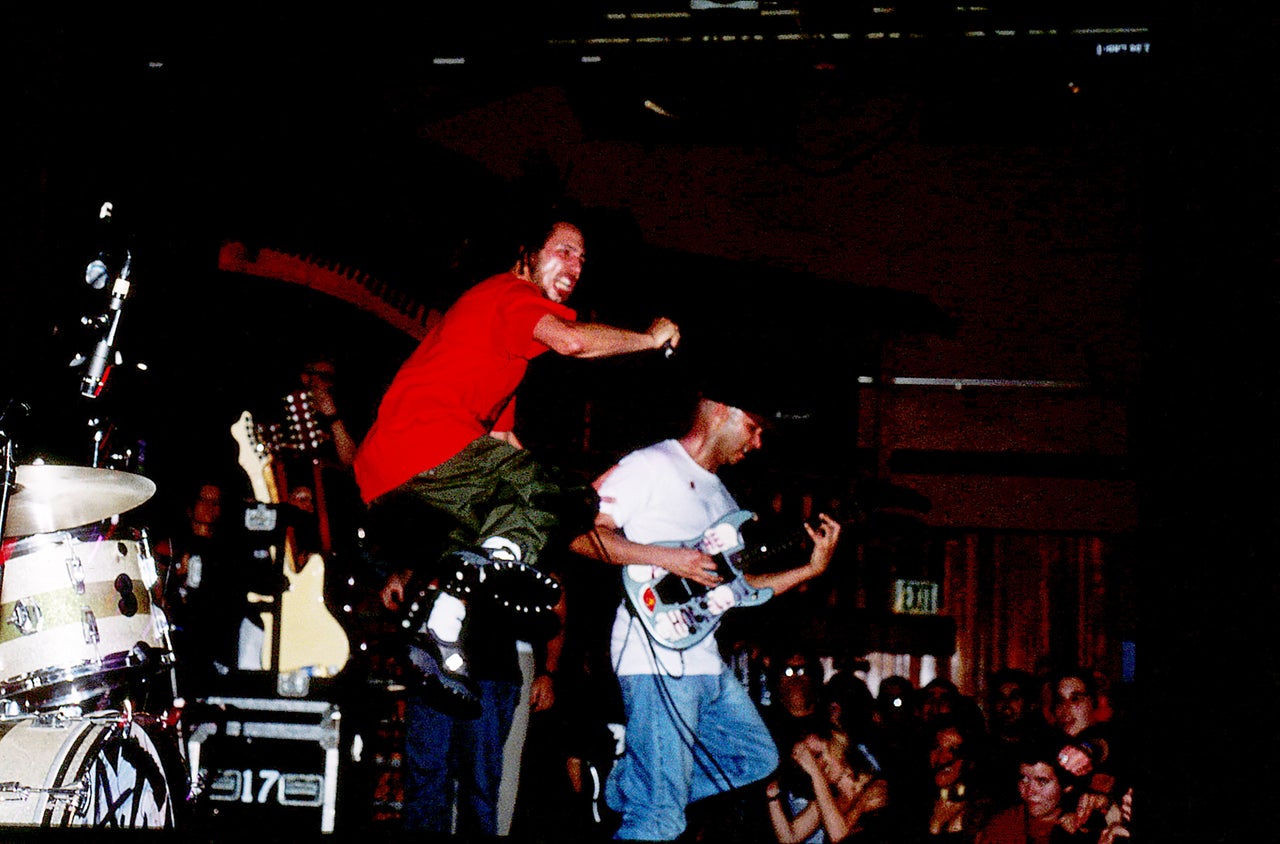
(106, 355)
(76, 796)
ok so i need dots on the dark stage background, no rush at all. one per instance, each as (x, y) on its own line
(345, 139)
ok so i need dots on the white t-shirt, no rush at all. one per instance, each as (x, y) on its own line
(659, 494)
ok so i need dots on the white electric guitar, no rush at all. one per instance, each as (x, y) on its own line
(310, 637)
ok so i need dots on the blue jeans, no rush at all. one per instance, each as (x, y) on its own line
(440, 749)
(687, 739)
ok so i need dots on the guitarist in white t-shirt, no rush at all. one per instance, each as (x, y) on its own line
(692, 730)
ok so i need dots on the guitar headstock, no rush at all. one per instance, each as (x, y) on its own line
(301, 430)
(253, 455)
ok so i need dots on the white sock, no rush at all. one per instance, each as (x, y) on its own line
(446, 617)
(502, 549)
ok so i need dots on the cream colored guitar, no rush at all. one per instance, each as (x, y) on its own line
(310, 637)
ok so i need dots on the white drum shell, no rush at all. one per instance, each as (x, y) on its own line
(60, 592)
(104, 770)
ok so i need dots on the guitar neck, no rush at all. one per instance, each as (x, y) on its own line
(757, 557)
(255, 460)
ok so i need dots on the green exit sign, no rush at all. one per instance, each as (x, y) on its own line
(915, 597)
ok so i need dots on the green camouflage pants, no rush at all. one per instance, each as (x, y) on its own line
(487, 489)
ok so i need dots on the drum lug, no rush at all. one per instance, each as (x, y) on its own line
(82, 793)
(124, 723)
(146, 562)
(27, 617)
(75, 572)
(89, 624)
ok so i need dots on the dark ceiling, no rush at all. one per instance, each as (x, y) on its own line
(305, 133)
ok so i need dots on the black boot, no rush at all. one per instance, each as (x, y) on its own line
(443, 667)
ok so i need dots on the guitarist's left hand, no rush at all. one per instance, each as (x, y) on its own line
(824, 536)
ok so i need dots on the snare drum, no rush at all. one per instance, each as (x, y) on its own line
(60, 772)
(76, 615)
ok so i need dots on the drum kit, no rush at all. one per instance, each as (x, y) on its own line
(80, 634)
(83, 635)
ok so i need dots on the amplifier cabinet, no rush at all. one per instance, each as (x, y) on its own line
(265, 763)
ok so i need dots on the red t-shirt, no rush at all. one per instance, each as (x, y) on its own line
(459, 383)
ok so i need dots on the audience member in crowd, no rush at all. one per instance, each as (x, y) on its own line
(848, 704)
(896, 701)
(844, 799)
(958, 802)
(796, 682)
(1040, 817)
(897, 716)
(941, 699)
(1118, 820)
(1013, 719)
(1089, 748)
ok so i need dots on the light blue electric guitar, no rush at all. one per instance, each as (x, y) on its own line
(679, 613)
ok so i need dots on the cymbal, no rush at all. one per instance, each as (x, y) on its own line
(51, 498)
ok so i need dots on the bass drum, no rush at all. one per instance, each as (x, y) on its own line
(58, 771)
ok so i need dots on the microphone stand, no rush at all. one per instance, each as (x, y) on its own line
(10, 482)
(99, 368)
